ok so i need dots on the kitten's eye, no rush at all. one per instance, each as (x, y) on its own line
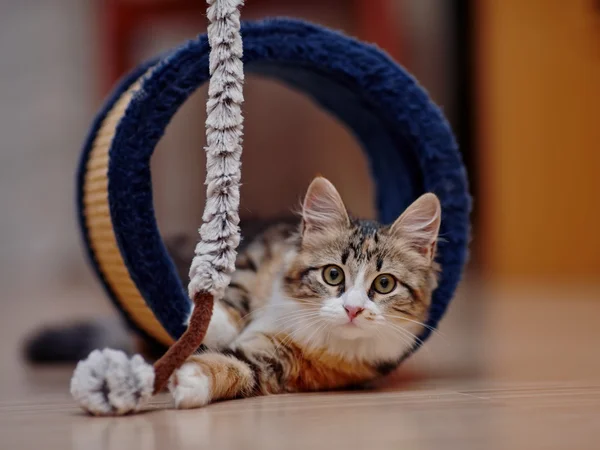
(384, 284)
(333, 275)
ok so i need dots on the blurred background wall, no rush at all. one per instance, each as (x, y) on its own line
(47, 96)
(538, 64)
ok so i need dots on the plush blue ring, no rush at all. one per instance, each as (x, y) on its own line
(408, 142)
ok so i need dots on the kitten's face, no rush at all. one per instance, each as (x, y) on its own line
(359, 279)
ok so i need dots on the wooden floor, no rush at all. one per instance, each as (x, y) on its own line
(512, 369)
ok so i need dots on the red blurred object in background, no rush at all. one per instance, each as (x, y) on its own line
(121, 20)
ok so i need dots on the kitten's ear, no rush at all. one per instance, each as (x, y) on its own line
(323, 207)
(420, 224)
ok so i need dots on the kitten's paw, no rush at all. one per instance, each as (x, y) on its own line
(109, 383)
(190, 387)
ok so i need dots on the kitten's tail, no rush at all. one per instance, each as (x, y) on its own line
(69, 343)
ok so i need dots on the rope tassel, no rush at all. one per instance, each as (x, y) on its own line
(109, 383)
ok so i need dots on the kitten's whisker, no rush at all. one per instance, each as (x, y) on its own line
(258, 310)
(290, 336)
(414, 338)
(403, 338)
(314, 334)
(432, 329)
(412, 335)
(316, 323)
(405, 332)
(293, 328)
(299, 320)
(291, 313)
(411, 342)
(285, 321)
(308, 344)
(269, 306)
(301, 300)
(292, 317)
(323, 327)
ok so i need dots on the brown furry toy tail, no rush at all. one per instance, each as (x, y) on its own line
(108, 383)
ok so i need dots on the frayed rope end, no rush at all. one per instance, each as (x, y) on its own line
(109, 383)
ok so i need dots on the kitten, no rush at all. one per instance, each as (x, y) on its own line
(334, 303)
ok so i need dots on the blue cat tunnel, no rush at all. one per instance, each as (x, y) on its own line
(408, 143)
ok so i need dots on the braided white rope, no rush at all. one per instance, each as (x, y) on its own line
(108, 382)
(214, 262)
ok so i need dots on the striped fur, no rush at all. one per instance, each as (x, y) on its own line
(281, 327)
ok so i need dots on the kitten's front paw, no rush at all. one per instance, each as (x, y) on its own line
(190, 387)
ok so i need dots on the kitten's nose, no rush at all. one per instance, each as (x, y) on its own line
(353, 311)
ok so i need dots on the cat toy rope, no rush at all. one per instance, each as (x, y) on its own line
(109, 383)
